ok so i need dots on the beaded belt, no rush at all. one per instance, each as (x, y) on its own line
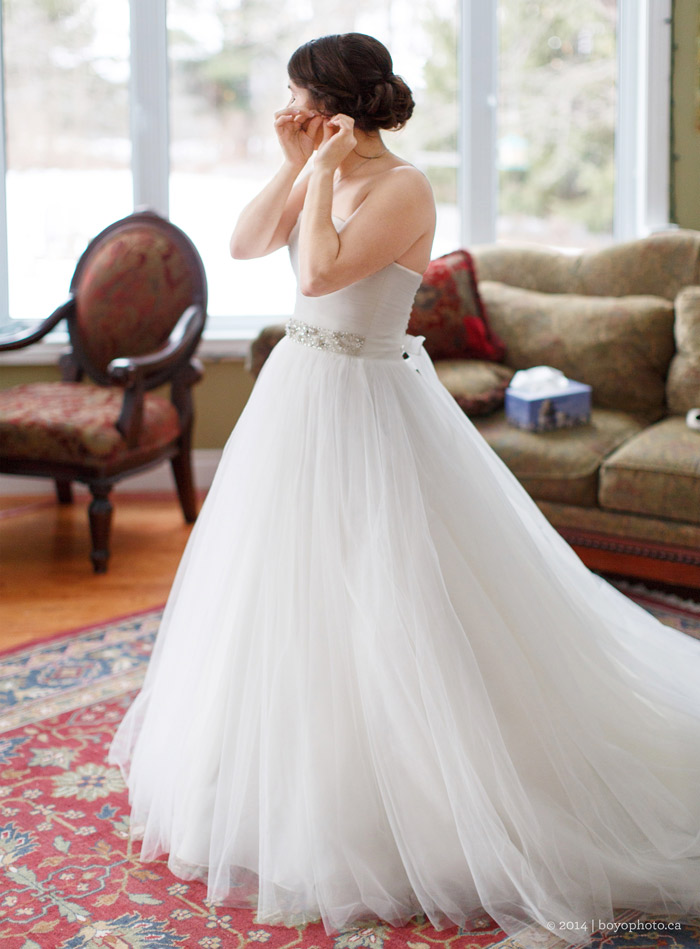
(334, 341)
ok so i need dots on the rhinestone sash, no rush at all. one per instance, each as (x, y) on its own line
(334, 341)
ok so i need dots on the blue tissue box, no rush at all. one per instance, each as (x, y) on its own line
(547, 410)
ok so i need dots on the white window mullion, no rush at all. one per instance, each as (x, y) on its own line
(149, 104)
(643, 118)
(4, 267)
(478, 73)
(627, 141)
(658, 116)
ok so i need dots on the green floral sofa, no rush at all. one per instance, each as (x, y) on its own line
(624, 490)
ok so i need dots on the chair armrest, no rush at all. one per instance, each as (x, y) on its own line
(137, 373)
(132, 371)
(27, 337)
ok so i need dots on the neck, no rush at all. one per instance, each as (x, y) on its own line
(369, 146)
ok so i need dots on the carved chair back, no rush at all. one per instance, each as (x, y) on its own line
(130, 287)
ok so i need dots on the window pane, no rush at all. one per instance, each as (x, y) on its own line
(68, 151)
(228, 76)
(556, 120)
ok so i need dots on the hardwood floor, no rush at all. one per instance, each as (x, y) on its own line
(47, 584)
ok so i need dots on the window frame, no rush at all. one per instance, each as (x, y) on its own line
(149, 112)
(641, 135)
(4, 260)
(642, 124)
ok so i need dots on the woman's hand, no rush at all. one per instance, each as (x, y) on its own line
(297, 131)
(337, 143)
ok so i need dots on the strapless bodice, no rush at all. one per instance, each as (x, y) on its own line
(368, 318)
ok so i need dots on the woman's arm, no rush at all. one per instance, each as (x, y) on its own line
(265, 223)
(396, 215)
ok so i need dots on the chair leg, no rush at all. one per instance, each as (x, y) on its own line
(182, 470)
(64, 491)
(100, 514)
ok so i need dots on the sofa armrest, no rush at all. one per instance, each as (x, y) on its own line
(262, 346)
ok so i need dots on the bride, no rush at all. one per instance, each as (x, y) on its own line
(384, 686)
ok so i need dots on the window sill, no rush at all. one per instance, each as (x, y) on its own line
(219, 344)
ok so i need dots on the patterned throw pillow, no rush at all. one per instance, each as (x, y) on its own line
(448, 311)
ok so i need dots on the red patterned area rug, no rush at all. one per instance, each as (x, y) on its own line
(70, 879)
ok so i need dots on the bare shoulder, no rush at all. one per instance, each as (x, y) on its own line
(405, 175)
(405, 183)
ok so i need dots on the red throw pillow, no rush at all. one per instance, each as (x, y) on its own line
(448, 311)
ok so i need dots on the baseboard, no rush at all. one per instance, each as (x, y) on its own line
(204, 463)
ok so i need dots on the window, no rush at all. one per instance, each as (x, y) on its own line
(539, 120)
(641, 120)
(556, 121)
(67, 147)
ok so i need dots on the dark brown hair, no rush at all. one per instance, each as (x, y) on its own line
(353, 73)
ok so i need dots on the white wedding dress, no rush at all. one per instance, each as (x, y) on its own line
(385, 686)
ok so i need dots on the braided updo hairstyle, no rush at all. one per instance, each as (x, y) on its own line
(353, 73)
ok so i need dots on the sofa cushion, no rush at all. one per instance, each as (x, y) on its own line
(683, 383)
(561, 465)
(478, 386)
(656, 473)
(75, 423)
(626, 528)
(448, 311)
(621, 346)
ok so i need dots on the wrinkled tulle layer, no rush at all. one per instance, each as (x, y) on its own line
(385, 686)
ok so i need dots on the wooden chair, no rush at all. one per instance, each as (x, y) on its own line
(135, 315)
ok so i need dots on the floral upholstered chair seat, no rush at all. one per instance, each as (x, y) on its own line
(76, 423)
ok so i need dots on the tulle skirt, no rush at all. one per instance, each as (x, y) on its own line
(385, 686)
